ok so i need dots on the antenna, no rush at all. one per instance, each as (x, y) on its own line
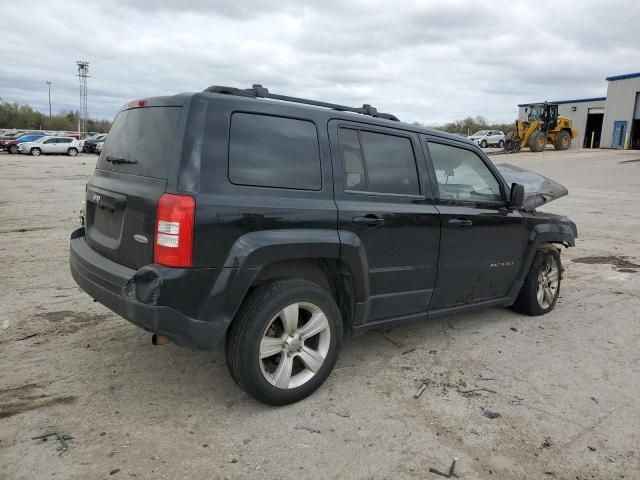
(83, 74)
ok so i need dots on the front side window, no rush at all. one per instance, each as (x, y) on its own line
(270, 151)
(378, 162)
(462, 175)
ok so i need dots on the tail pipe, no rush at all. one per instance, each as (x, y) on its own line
(157, 339)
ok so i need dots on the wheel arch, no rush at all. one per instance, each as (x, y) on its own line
(543, 235)
(316, 255)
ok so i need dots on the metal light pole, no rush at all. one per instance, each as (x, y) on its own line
(49, 83)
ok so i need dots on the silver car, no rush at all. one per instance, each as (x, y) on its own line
(51, 144)
(488, 138)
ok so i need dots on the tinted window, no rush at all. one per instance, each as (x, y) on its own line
(64, 140)
(378, 162)
(353, 166)
(51, 140)
(268, 151)
(462, 175)
(146, 136)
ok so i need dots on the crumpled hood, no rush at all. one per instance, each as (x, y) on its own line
(538, 189)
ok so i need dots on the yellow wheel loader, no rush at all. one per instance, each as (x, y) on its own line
(541, 125)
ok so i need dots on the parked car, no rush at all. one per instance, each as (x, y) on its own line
(90, 144)
(278, 226)
(14, 134)
(11, 145)
(50, 144)
(488, 138)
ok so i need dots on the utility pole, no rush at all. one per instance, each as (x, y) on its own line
(83, 74)
(49, 83)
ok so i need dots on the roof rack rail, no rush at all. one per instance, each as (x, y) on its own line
(258, 91)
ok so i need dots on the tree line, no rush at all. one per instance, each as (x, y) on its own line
(22, 116)
(470, 125)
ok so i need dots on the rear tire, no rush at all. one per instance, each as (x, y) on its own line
(35, 152)
(272, 351)
(72, 152)
(563, 140)
(501, 144)
(541, 288)
(537, 141)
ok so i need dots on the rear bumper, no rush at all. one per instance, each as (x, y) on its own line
(138, 295)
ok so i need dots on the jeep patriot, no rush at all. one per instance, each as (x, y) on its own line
(278, 224)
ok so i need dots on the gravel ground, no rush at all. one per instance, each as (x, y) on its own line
(566, 385)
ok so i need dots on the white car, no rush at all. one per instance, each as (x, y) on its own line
(51, 144)
(487, 138)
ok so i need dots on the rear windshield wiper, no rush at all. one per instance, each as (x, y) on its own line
(120, 161)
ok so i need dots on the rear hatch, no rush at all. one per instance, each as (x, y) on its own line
(139, 157)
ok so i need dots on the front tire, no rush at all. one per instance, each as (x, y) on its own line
(483, 144)
(284, 341)
(35, 152)
(563, 140)
(13, 149)
(537, 141)
(541, 288)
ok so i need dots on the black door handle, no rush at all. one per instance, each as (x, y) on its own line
(368, 220)
(459, 223)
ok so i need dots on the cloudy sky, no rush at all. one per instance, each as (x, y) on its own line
(426, 61)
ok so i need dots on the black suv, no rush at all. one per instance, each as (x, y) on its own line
(280, 224)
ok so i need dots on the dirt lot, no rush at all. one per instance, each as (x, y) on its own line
(566, 385)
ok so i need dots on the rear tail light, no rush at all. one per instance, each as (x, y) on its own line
(174, 230)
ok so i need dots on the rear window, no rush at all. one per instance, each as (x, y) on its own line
(146, 136)
(378, 163)
(269, 151)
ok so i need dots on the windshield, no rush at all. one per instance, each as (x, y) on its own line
(480, 133)
(536, 112)
(142, 141)
(29, 138)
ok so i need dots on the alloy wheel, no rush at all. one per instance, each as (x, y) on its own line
(294, 345)
(548, 283)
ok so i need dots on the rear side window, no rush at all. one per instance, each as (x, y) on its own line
(142, 142)
(269, 151)
(378, 162)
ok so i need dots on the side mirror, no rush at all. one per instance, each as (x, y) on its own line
(517, 195)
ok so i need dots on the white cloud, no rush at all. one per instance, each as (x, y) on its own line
(423, 61)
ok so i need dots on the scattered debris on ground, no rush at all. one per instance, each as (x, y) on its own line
(474, 390)
(450, 473)
(490, 414)
(420, 391)
(547, 442)
(61, 437)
